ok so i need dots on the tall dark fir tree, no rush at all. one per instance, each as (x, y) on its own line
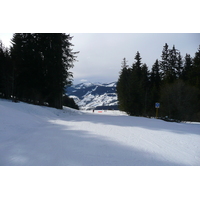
(123, 87)
(27, 65)
(58, 58)
(132, 87)
(155, 85)
(196, 69)
(136, 91)
(187, 68)
(42, 62)
(6, 72)
(164, 64)
(179, 66)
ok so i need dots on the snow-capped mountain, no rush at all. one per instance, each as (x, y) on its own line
(94, 95)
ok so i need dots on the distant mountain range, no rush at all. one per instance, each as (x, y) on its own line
(90, 96)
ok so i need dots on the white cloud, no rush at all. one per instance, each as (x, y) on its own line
(83, 80)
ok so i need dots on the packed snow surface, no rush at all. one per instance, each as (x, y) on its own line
(37, 135)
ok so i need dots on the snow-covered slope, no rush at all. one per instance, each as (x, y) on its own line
(91, 95)
(36, 135)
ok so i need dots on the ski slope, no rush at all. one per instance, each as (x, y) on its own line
(42, 136)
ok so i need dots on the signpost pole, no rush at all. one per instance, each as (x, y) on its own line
(156, 113)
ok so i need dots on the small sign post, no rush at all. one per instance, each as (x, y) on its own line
(157, 105)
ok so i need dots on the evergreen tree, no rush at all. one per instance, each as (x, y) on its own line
(179, 66)
(25, 57)
(155, 76)
(69, 102)
(172, 64)
(164, 64)
(2, 65)
(124, 64)
(145, 93)
(196, 69)
(6, 72)
(196, 77)
(172, 82)
(58, 58)
(41, 63)
(136, 87)
(50, 46)
(187, 68)
(138, 63)
(155, 84)
(179, 101)
(123, 87)
(132, 87)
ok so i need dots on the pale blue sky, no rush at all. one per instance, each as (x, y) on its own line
(101, 54)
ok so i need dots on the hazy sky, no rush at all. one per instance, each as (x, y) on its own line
(101, 54)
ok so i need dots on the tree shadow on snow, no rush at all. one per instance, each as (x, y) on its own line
(141, 122)
(60, 146)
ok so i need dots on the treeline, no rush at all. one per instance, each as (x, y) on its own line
(35, 69)
(173, 81)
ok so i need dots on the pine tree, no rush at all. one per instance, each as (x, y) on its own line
(42, 63)
(123, 87)
(179, 66)
(155, 77)
(136, 87)
(145, 93)
(172, 82)
(164, 64)
(172, 65)
(124, 63)
(6, 72)
(155, 85)
(196, 69)
(132, 87)
(26, 66)
(187, 68)
(2, 63)
(69, 102)
(179, 101)
(58, 58)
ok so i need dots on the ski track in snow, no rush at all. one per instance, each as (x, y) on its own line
(36, 135)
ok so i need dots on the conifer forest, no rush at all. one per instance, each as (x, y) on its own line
(173, 81)
(35, 69)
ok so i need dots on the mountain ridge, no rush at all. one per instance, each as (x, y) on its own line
(89, 95)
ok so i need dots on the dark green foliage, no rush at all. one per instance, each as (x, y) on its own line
(179, 66)
(139, 87)
(179, 101)
(136, 87)
(195, 74)
(173, 82)
(6, 73)
(39, 67)
(27, 65)
(69, 102)
(154, 87)
(123, 86)
(132, 87)
(164, 64)
(187, 68)
(171, 64)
